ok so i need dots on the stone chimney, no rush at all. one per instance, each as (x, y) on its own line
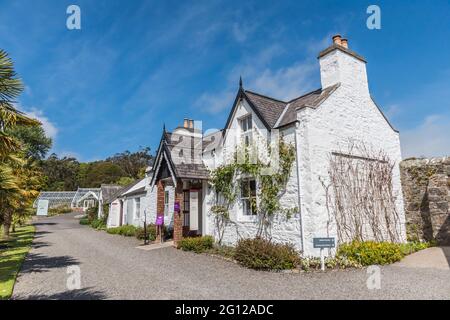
(339, 64)
(186, 123)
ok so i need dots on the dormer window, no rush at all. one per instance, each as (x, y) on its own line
(246, 130)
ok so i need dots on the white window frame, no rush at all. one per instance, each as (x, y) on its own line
(137, 208)
(244, 202)
(246, 126)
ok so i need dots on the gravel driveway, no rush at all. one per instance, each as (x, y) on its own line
(112, 268)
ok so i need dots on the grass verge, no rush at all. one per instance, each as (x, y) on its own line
(12, 254)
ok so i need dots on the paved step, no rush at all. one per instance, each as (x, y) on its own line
(434, 258)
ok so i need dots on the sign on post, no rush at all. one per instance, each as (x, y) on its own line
(159, 220)
(42, 208)
(323, 243)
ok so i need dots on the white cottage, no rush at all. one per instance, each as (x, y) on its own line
(132, 205)
(323, 125)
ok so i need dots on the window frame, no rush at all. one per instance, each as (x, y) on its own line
(245, 200)
(137, 208)
(247, 134)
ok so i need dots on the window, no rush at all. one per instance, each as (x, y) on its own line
(246, 130)
(248, 196)
(166, 203)
(137, 207)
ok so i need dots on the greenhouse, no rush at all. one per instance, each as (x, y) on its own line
(56, 198)
(82, 198)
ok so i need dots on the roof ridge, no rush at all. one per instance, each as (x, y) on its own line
(264, 96)
(306, 94)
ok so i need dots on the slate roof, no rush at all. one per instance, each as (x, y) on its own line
(311, 99)
(122, 190)
(270, 109)
(196, 170)
(277, 113)
(109, 191)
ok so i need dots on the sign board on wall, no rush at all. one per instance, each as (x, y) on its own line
(42, 208)
(193, 209)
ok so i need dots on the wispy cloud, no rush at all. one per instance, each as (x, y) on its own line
(284, 82)
(429, 139)
(50, 129)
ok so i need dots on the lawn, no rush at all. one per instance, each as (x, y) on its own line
(12, 254)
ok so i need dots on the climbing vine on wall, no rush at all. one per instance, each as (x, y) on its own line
(270, 187)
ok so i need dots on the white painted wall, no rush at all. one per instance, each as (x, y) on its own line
(348, 114)
(283, 230)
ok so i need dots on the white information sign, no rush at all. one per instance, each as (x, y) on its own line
(42, 207)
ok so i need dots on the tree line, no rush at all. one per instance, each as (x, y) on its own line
(25, 168)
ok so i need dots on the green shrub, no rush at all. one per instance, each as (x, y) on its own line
(151, 233)
(411, 247)
(98, 224)
(126, 230)
(84, 221)
(196, 244)
(59, 210)
(261, 254)
(369, 253)
(92, 213)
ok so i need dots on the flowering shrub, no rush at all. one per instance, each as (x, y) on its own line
(261, 254)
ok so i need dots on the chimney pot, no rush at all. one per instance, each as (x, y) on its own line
(337, 39)
(344, 43)
(186, 123)
(191, 124)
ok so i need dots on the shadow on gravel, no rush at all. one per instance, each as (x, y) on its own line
(44, 223)
(81, 294)
(40, 263)
(39, 234)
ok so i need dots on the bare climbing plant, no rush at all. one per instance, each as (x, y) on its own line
(360, 195)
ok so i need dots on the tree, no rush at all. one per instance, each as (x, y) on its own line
(61, 174)
(124, 181)
(15, 192)
(133, 163)
(102, 172)
(10, 88)
(33, 140)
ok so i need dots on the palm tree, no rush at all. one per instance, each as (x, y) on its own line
(10, 88)
(11, 189)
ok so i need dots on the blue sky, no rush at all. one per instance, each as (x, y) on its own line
(135, 65)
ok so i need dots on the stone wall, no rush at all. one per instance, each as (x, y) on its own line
(426, 190)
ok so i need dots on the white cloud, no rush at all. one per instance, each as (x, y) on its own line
(430, 139)
(393, 111)
(50, 129)
(215, 103)
(286, 82)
